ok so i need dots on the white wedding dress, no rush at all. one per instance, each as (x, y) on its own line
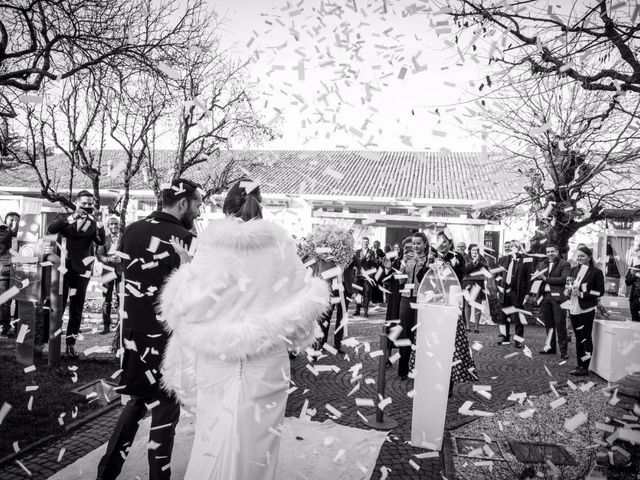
(240, 407)
(233, 311)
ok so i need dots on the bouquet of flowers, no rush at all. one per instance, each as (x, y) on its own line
(328, 243)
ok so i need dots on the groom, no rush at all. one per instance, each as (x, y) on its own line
(149, 257)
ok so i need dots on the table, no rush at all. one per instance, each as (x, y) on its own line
(616, 349)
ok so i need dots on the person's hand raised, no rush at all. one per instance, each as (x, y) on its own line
(181, 249)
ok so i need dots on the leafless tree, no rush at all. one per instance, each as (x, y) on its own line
(77, 121)
(33, 152)
(594, 44)
(211, 108)
(44, 40)
(565, 163)
(140, 102)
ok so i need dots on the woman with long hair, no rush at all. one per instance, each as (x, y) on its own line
(463, 368)
(412, 267)
(230, 329)
(392, 316)
(584, 291)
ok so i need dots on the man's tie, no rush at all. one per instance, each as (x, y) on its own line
(510, 272)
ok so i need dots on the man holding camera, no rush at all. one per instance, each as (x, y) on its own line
(81, 231)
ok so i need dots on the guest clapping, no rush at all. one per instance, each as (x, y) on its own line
(474, 283)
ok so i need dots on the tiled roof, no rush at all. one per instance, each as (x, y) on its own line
(399, 175)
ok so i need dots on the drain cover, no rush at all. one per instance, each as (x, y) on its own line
(98, 390)
(527, 452)
(477, 448)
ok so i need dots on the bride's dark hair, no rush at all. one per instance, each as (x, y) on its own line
(241, 204)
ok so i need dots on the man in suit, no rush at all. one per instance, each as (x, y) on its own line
(364, 259)
(346, 284)
(81, 231)
(549, 282)
(513, 284)
(153, 248)
(107, 255)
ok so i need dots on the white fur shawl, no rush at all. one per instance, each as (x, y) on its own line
(244, 294)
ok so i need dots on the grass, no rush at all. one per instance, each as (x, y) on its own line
(52, 398)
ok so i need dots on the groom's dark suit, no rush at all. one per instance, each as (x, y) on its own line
(144, 341)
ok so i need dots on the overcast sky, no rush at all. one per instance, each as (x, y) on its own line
(382, 99)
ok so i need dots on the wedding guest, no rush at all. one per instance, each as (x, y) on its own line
(365, 259)
(227, 356)
(474, 281)
(444, 252)
(8, 231)
(632, 280)
(513, 286)
(346, 280)
(377, 294)
(413, 266)
(549, 281)
(82, 232)
(149, 264)
(107, 255)
(392, 316)
(584, 294)
(461, 248)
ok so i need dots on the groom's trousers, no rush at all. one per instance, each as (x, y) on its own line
(164, 418)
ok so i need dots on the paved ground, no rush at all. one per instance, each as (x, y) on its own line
(513, 374)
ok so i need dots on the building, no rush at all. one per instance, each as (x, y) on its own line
(384, 195)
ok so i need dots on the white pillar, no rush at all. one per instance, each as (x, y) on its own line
(435, 343)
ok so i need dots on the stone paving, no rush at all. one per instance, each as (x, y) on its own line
(513, 374)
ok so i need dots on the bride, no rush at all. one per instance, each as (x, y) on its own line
(233, 312)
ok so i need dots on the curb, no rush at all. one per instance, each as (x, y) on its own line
(68, 428)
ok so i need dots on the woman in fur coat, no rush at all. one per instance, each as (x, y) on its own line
(233, 311)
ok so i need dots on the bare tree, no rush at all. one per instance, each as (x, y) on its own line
(78, 123)
(54, 39)
(137, 106)
(567, 164)
(34, 152)
(596, 45)
(211, 108)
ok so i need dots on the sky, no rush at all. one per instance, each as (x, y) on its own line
(383, 98)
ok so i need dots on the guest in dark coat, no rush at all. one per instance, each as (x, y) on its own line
(376, 293)
(549, 282)
(584, 294)
(513, 286)
(413, 267)
(364, 259)
(392, 316)
(107, 255)
(474, 281)
(633, 280)
(82, 232)
(325, 319)
(8, 231)
(154, 248)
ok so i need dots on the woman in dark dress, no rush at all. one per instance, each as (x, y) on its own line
(392, 317)
(463, 368)
(412, 267)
